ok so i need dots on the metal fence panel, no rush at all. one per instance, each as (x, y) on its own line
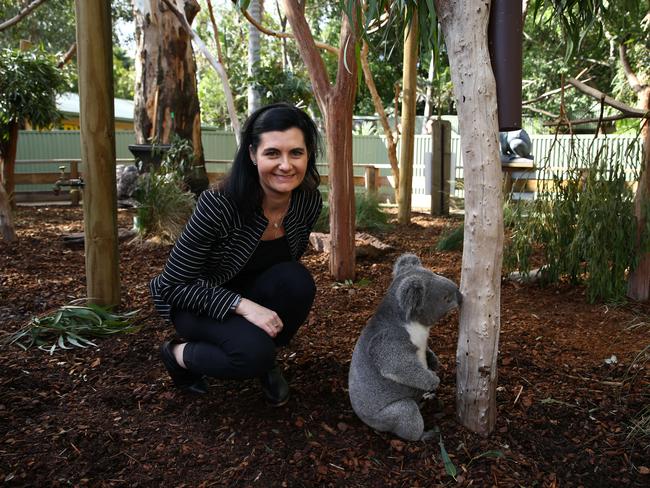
(552, 154)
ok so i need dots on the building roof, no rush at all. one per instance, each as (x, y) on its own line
(68, 103)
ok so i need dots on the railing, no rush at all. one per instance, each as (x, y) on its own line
(71, 169)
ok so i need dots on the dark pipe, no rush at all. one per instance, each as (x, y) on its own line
(505, 36)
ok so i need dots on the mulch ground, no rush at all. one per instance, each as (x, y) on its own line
(109, 416)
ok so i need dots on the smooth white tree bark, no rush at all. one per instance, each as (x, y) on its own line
(465, 28)
(255, 9)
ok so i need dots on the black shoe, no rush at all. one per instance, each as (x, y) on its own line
(182, 378)
(275, 387)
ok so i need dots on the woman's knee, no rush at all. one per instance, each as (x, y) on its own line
(294, 281)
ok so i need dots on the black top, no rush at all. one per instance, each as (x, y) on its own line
(266, 255)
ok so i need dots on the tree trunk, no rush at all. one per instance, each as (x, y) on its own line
(383, 118)
(6, 217)
(638, 286)
(95, 69)
(409, 97)
(9, 148)
(336, 102)
(428, 103)
(255, 8)
(166, 97)
(464, 25)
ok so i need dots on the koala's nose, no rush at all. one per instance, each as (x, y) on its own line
(459, 298)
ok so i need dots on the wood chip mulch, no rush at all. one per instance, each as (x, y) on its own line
(109, 416)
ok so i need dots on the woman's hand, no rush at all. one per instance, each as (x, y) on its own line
(266, 319)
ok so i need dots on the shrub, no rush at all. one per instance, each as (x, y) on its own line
(585, 226)
(452, 240)
(369, 215)
(163, 205)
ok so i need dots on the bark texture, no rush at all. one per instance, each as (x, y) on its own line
(8, 154)
(464, 25)
(7, 228)
(255, 9)
(336, 102)
(639, 282)
(166, 97)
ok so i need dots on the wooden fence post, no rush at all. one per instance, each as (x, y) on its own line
(74, 192)
(370, 177)
(95, 68)
(440, 166)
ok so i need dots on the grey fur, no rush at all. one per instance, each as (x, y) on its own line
(388, 377)
(127, 180)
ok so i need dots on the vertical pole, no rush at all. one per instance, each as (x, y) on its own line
(440, 166)
(505, 34)
(95, 69)
(411, 44)
(74, 192)
(370, 179)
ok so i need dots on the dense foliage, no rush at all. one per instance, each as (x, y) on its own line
(51, 27)
(28, 87)
(584, 226)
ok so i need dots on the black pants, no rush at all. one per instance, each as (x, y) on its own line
(236, 348)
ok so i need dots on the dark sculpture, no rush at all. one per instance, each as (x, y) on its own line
(515, 144)
(127, 180)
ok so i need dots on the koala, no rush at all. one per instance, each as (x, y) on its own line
(127, 178)
(392, 368)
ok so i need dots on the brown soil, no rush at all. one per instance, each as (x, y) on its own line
(110, 417)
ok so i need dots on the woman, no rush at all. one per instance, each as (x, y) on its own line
(233, 286)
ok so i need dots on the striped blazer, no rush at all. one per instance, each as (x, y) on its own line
(215, 245)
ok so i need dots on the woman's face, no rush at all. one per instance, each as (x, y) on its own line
(281, 158)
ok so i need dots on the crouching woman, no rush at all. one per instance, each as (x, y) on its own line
(233, 286)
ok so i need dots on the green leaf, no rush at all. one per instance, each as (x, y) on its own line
(71, 325)
(72, 340)
(450, 467)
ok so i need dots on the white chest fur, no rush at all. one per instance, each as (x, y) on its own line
(419, 335)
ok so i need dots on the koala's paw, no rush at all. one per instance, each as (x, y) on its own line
(435, 382)
(429, 395)
(432, 361)
(427, 435)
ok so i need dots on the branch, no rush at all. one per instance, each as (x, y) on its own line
(589, 121)
(598, 95)
(215, 64)
(216, 33)
(631, 76)
(22, 14)
(543, 112)
(556, 90)
(379, 108)
(68, 55)
(308, 51)
(285, 35)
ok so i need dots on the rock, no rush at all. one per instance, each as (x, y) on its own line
(533, 276)
(77, 239)
(366, 245)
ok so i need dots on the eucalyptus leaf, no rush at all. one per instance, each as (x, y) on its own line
(71, 326)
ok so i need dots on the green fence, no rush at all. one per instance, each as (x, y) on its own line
(552, 154)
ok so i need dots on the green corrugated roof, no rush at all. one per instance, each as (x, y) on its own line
(68, 103)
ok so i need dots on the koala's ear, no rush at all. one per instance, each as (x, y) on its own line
(410, 295)
(406, 261)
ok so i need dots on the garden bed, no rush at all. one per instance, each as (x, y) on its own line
(567, 397)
